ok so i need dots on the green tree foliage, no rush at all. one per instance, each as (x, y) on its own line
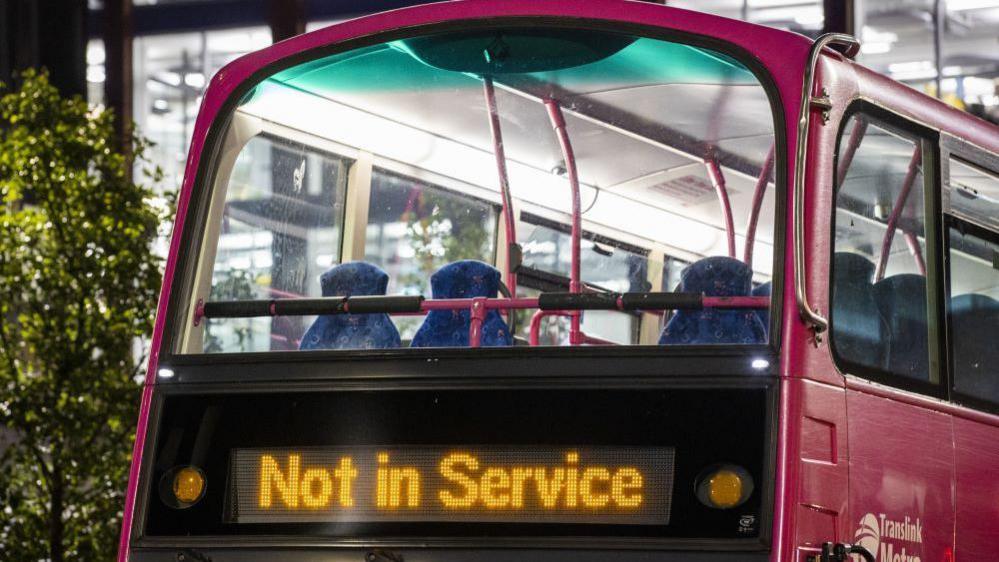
(78, 288)
(443, 229)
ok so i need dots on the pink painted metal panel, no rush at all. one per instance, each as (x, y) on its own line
(812, 467)
(977, 472)
(926, 110)
(901, 478)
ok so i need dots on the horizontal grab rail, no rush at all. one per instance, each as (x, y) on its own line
(308, 307)
(407, 304)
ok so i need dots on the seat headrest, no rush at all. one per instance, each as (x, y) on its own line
(465, 279)
(848, 265)
(717, 276)
(903, 283)
(763, 289)
(354, 278)
(973, 303)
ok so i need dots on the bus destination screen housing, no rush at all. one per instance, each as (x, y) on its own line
(463, 463)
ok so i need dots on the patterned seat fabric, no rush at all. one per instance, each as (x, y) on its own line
(858, 329)
(763, 290)
(975, 321)
(352, 331)
(901, 301)
(715, 277)
(449, 328)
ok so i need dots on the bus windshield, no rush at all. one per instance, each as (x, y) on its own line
(493, 187)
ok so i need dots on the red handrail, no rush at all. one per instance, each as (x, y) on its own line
(534, 337)
(856, 135)
(504, 179)
(718, 181)
(896, 212)
(916, 251)
(754, 214)
(558, 124)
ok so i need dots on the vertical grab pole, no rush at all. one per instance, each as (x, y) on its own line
(477, 316)
(504, 181)
(856, 136)
(718, 181)
(575, 286)
(754, 213)
(896, 212)
(916, 251)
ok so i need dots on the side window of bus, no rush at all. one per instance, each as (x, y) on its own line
(879, 289)
(280, 229)
(971, 204)
(415, 228)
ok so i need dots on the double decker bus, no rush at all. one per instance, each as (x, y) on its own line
(573, 281)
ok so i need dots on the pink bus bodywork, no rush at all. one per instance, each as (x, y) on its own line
(849, 452)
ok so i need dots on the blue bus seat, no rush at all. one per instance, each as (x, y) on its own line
(716, 276)
(463, 279)
(974, 323)
(901, 301)
(763, 290)
(352, 331)
(858, 328)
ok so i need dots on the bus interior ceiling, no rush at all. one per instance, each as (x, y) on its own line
(643, 136)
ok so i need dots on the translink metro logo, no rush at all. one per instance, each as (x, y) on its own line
(891, 540)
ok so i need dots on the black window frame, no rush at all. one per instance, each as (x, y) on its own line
(952, 147)
(937, 362)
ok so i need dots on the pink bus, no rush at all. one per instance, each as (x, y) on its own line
(574, 281)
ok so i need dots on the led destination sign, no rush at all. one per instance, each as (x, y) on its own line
(595, 485)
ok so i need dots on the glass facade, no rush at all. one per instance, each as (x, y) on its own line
(171, 72)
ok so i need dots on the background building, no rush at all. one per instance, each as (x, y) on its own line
(151, 59)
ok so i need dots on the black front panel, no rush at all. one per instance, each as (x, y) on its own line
(666, 437)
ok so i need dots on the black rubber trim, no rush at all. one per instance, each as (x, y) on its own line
(309, 307)
(393, 303)
(238, 309)
(306, 307)
(577, 301)
(662, 301)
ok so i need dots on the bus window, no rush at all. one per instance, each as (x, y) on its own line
(606, 265)
(971, 201)
(414, 228)
(280, 229)
(879, 294)
(653, 148)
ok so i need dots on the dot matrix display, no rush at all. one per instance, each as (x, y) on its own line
(532, 484)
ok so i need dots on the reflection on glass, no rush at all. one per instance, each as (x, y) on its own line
(879, 286)
(280, 230)
(415, 227)
(973, 251)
